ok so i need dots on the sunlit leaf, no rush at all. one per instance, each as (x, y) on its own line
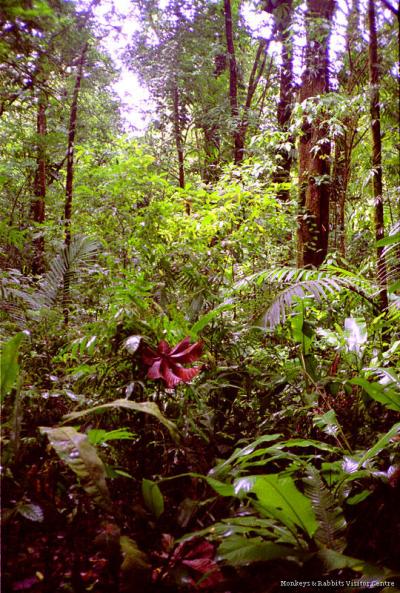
(380, 445)
(355, 334)
(152, 497)
(384, 395)
(74, 449)
(31, 511)
(9, 367)
(279, 497)
(132, 343)
(144, 407)
(133, 559)
(239, 551)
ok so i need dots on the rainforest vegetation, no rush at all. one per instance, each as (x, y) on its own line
(200, 306)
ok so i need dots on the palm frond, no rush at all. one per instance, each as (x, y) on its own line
(319, 289)
(391, 253)
(319, 284)
(332, 523)
(63, 268)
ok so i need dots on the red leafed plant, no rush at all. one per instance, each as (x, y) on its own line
(192, 563)
(165, 363)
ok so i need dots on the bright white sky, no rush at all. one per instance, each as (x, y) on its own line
(137, 108)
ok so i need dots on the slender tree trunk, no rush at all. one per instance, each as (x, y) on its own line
(177, 121)
(314, 146)
(233, 84)
(178, 136)
(39, 190)
(255, 76)
(374, 78)
(344, 143)
(73, 119)
(340, 181)
(283, 23)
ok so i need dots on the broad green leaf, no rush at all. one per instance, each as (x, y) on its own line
(220, 487)
(380, 444)
(306, 443)
(30, 511)
(328, 423)
(390, 240)
(337, 561)
(380, 393)
(9, 367)
(205, 319)
(239, 551)
(357, 498)
(98, 436)
(145, 407)
(152, 497)
(240, 454)
(74, 449)
(280, 498)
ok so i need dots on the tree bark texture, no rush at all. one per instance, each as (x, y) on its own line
(255, 76)
(233, 83)
(374, 78)
(314, 146)
(178, 136)
(73, 119)
(38, 205)
(283, 16)
(177, 124)
(340, 182)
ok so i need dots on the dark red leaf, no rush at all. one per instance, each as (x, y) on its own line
(154, 371)
(149, 355)
(163, 347)
(170, 378)
(201, 549)
(165, 363)
(188, 354)
(25, 584)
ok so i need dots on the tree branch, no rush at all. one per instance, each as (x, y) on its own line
(392, 9)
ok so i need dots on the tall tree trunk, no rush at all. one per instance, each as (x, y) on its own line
(233, 84)
(73, 119)
(177, 122)
(314, 146)
(38, 204)
(255, 76)
(340, 182)
(178, 136)
(344, 143)
(374, 79)
(283, 16)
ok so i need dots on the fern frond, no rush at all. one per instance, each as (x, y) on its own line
(332, 523)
